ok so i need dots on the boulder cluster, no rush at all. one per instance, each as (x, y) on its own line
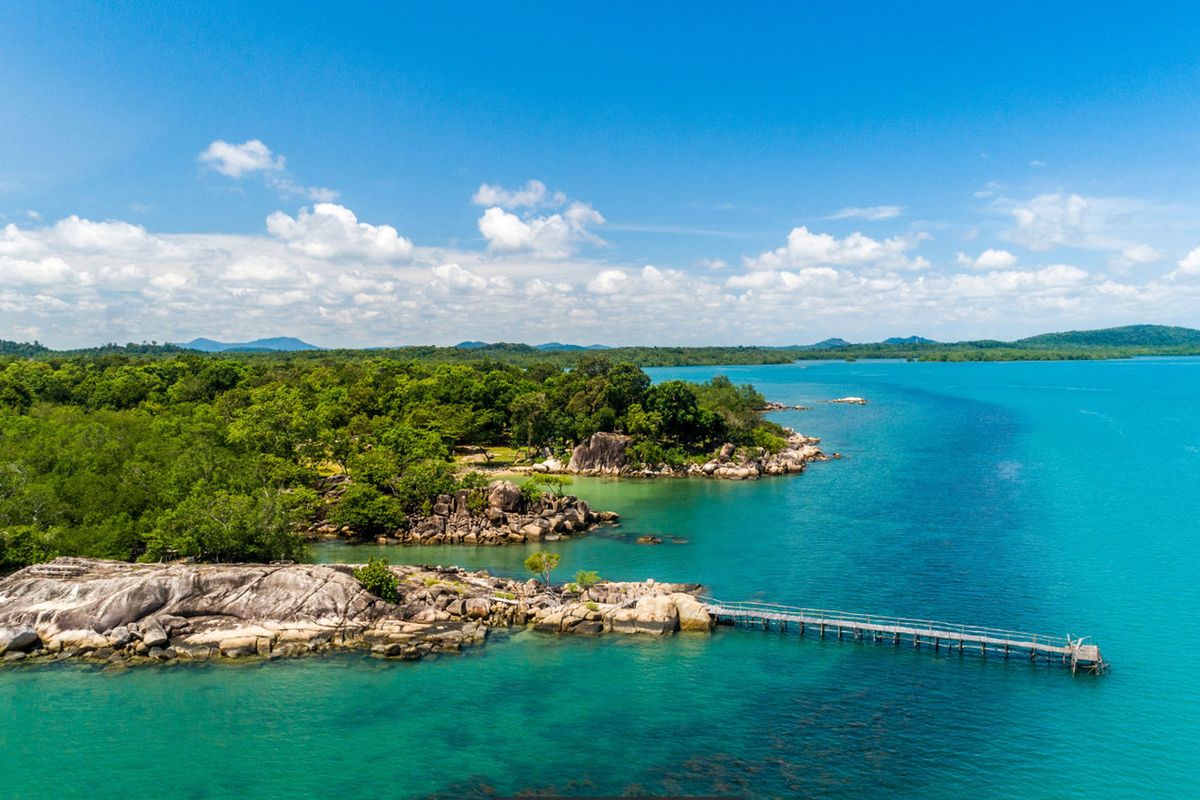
(120, 614)
(605, 454)
(497, 514)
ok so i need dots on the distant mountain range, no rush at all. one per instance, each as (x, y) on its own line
(278, 343)
(1127, 340)
(548, 346)
(832, 344)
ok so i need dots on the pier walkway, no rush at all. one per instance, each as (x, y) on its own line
(1060, 649)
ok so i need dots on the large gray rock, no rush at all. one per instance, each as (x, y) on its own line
(504, 496)
(602, 454)
(86, 604)
(656, 614)
(24, 641)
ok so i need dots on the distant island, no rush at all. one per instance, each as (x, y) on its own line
(1128, 341)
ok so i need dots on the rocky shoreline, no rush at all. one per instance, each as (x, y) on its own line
(121, 614)
(604, 454)
(495, 515)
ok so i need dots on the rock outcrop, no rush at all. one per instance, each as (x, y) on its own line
(498, 514)
(604, 454)
(123, 613)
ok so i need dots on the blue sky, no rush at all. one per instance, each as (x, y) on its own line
(701, 173)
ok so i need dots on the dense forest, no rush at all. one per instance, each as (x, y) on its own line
(219, 457)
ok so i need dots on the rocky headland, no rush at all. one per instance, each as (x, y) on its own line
(605, 454)
(497, 514)
(118, 613)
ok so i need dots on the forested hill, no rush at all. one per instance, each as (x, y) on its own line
(220, 457)
(1126, 336)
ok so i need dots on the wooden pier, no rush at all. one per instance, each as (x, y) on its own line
(1064, 650)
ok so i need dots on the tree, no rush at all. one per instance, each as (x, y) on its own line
(542, 563)
(226, 526)
(554, 484)
(367, 511)
(529, 417)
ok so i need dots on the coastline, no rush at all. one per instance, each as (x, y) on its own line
(121, 614)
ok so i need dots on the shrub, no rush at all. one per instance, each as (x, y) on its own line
(531, 492)
(768, 441)
(368, 512)
(377, 579)
(587, 578)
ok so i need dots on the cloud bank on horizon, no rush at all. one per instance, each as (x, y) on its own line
(550, 245)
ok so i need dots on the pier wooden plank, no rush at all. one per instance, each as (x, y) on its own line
(1068, 651)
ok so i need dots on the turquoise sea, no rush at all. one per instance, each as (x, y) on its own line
(1058, 497)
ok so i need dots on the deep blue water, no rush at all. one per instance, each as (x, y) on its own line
(1056, 497)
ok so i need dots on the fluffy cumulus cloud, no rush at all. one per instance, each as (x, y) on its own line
(322, 273)
(532, 195)
(252, 157)
(332, 231)
(549, 236)
(805, 248)
(988, 259)
(236, 160)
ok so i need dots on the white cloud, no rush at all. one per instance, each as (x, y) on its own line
(1190, 264)
(43, 272)
(332, 231)
(1141, 254)
(323, 275)
(255, 158)
(103, 237)
(805, 248)
(870, 213)
(236, 160)
(990, 189)
(988, 259)
(531, 195)
(610, 281)
(553, 236)
(259, 269)
(1048, 221)
(169, 281)
(454, 278)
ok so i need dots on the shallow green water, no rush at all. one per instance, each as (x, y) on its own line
(1061, 497)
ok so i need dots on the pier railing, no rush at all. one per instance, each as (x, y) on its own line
(1060, 648)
